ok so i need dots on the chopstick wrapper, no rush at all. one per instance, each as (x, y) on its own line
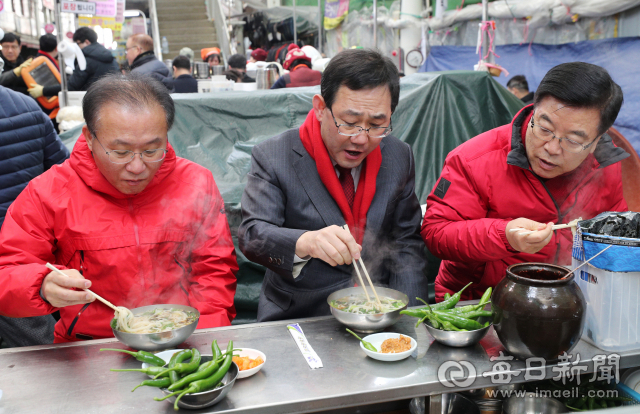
(307, 352)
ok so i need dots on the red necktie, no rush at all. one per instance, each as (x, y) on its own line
(346, 180)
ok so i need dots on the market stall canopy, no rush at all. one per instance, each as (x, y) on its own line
(436, 113)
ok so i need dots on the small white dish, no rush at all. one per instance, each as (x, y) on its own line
(377, 339)
(166, 355)
(251, 353)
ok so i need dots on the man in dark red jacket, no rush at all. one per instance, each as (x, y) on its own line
(123, 216)
(300, 72)
(552, 164)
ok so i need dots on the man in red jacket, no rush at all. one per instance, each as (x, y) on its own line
(552, 164)
(123, 216)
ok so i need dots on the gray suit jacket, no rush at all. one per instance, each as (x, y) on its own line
(285, 197)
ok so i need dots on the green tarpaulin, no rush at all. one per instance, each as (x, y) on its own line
(436, 113)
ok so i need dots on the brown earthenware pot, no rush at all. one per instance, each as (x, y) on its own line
(536, 312)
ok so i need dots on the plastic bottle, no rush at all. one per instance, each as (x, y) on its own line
(165, 45)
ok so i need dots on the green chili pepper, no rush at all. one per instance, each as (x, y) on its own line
(159, 383)
(475, 314)
(142, 356)
(581, 403)
(458, 321)
(149, 371)
(448, 326)
(422, 300)
(590, 403)
(451, 302)
(447, 296)
(366, 344)
(186, 368)
(204, 384)
(486, 297)
(216, 351)
(208, 369)
(177, 358)
(415, 313)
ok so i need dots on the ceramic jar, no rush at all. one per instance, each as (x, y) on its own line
(537, 312)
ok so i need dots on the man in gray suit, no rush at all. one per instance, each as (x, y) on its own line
(341, 166)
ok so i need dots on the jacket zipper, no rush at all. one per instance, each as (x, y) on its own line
(138, 246)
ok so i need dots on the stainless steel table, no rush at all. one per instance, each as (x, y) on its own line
(75, 378)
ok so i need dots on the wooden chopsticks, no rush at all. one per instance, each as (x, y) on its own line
(345, 227)
(555, 227)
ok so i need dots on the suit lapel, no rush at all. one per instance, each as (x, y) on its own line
(378, 208)
(307, 172)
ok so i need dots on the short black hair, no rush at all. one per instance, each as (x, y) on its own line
(181, 62)
(48, 43)
(237, 61)
(10, 38)
(359, 69)
(518, 82)
(133, 90)
(300, 62)
(583, 85)
(85, 33)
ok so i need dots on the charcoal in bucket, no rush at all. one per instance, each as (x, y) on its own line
(625, 224)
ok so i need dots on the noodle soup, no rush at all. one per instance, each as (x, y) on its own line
(153, 321)
(358, 304)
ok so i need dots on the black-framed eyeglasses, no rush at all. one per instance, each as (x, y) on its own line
(125, 157)
(349, 130)
(570, 145)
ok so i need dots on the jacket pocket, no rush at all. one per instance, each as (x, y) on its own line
(282, 298)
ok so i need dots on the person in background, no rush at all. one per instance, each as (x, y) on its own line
(258, 55)
(552, 164)
(341, 166)
(30, 146)
(519, 86)
(139, 54)
(233, 75)
(238, 63)
(211, 55)
(300, 72)
(188, 52)
(11, 76)
(124, 216)
(49, 48)
(183, 82)
(100, 62)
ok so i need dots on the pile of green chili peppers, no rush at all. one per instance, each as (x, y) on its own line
(446, 316)
(183, 377)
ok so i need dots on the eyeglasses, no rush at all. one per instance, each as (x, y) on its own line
(350, 130)
(126, 49)
(125, 157)
(567, 144)
(9, 46)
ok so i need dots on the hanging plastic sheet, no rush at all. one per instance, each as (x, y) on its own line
(621, 57)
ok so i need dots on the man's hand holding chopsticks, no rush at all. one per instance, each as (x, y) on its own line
(332, 244)
(61, 291)
(528, 243)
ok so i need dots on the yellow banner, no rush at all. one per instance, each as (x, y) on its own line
(104, 22)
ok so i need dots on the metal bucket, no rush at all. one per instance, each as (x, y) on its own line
(217, 70)
(266, 77)
(201, 70)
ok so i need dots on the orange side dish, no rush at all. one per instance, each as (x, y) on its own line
(394, 346)
(245, 363)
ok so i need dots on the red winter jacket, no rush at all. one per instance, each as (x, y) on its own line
(486, 182)
(170, 244)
